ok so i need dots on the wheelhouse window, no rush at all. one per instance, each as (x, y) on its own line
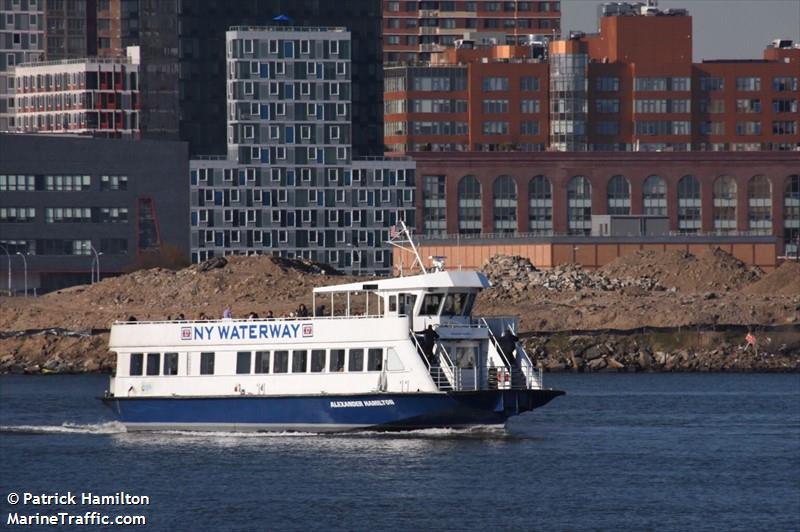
(356, 362)
(281, 362)
(317, 360)
(262, 362)
(153, 360)
(336, 363)
(458, 304)
(375, 360)
(137, 361)
(170, 363)
(299, 361)
(206, 363)
(243, 362)
(431, 304)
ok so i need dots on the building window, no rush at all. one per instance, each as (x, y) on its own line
(724, 204)
(607, 105)
(579, 206)
(505, 204)
(748, 105)
(495, 127)
(650, 84)
(528, 84)
(607, 84)
(495, 106)
(708, 84)
(495, 84)
(759, 205)
(540, 211)
(529, 127)
(689, 205)
(469, 205)
(784, 84)
(791, 216)
(619, 196)
(434, 205)
(750, 127)
(748, 84)
(606, 127)
(784, 127)
(529, 106)
(784, 106)
(654, 196)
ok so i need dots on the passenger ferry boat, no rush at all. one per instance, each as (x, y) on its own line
(364, 366)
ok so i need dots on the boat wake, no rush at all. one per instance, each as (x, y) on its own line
(111, 427)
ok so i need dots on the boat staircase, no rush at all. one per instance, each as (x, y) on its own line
(440, 368)
(523, 373)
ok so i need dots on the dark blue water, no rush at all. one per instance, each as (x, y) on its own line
(619, 452)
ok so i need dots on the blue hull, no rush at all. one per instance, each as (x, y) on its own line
(328, 413)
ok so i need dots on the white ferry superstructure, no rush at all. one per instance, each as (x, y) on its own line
(347, 370)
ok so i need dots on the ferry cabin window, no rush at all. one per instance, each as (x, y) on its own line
(206, 363)
(262, 362)
(392, 303)
(243, 362)
(317, 360)
(281, 362)
(299, 361)
(337, 360)
(407, 302)
(153, 360)
(170, 363)
(458, 304)
(137, 360)
(375, 360)
(431, 304)
(356, 362)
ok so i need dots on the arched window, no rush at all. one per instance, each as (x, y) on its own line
(724, 204)
(505, 204)
(791, 215)
(469, 205)
(540, 211)
(759, 205)
(689, 205)
(619, 195)
(654, 196)
(579, 206)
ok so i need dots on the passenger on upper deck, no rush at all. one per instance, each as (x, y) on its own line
(320, 310)
(302, 311)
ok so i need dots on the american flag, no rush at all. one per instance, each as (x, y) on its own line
(393, 232)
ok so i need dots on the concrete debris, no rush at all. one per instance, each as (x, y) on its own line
(514, 275)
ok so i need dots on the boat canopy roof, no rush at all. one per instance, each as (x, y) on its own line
(440, 280)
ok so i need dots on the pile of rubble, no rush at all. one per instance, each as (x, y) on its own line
(514, 275)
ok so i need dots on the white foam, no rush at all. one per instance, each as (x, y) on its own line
(111, 427)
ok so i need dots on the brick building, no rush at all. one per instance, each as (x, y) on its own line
(619, 90)
(552, 194)
(412, 30)
(94, 96)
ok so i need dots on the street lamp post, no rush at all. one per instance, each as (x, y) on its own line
(8, 255)
(25, 265)
(96, 258)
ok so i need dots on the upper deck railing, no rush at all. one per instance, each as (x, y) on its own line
(305, 29)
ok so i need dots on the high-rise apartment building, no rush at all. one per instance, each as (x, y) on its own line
(22, 39)
(619, 90)
(94, 96)
(413, 30)
(289, 184)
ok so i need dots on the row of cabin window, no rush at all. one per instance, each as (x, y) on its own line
(246, 363)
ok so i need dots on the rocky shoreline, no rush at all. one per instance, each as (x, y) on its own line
(60, 352)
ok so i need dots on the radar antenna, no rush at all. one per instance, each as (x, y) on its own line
(403, 240)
